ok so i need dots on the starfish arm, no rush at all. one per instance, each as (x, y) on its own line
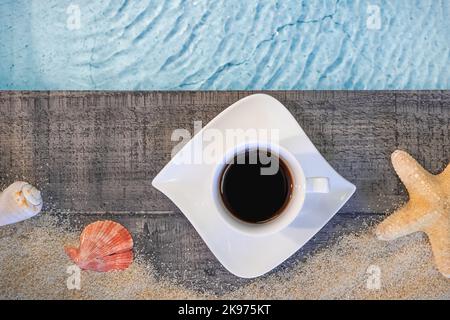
(415, 178)
(444, 177)
(439, 236)
(400, 223)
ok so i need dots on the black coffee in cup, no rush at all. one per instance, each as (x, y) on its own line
(253, 189)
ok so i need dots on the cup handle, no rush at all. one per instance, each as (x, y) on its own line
(317, 185)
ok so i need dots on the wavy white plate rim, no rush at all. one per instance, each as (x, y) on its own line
(247, 256)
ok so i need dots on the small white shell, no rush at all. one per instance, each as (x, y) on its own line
(19, 202)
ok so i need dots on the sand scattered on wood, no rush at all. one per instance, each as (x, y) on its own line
(33, 265)
(348, 270)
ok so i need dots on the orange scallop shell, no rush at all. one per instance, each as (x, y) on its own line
(104, 246)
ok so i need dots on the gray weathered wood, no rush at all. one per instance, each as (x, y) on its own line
(98, 151)
(95, 153)
(177, 252)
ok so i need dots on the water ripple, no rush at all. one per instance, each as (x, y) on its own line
(225, 44)
(188, 43)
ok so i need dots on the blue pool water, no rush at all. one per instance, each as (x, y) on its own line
(224, 44)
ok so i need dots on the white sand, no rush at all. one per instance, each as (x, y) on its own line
(33, 266)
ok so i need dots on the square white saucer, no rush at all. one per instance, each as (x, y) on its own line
(189, 187)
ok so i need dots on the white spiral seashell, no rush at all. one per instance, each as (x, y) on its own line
(19, 202)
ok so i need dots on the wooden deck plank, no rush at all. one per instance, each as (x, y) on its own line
(94, 154)
(98, 151)
(174, 248)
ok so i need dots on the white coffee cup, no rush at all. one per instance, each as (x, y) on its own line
(301, 186)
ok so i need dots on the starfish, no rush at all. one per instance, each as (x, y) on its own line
(428, 208)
